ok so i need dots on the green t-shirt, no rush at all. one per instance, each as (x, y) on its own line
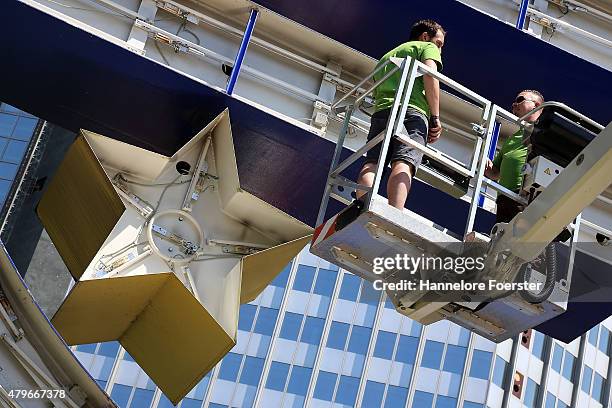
(385, 93)
(510, 160)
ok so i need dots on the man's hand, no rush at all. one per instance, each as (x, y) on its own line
(491, 171)
(435, 129)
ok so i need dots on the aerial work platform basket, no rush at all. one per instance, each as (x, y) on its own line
(369, 232)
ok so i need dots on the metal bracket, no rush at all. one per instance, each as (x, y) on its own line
(479, 129)
(233, 247)
(188, 247)
(144, 208)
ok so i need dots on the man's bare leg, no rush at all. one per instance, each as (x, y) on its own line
(399, 184)
(366, 177)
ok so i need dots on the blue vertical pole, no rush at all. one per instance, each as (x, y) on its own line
(491, 153)
(248, 32)
(520, 21)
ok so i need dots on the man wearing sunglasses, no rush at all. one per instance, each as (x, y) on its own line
(422, 119)
(507, 164)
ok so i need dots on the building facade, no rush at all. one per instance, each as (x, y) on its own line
(322, 337)
(16, 130)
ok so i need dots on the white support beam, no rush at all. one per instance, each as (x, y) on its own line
(147, 12)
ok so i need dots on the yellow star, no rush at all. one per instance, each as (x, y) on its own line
(163, 249)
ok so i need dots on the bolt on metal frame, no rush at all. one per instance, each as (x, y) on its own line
(409, 70)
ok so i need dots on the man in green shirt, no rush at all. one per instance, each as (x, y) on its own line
(422, 120)
(507, 164)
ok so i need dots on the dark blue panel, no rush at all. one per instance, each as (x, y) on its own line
(486, 55)
(590, 295)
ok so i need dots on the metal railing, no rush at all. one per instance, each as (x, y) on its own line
(409, 69)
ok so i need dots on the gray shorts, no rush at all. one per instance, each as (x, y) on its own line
(416, 125)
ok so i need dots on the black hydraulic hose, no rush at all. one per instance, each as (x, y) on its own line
(551, 277)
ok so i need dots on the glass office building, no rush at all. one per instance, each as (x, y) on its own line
(320, 337)
(16, 130)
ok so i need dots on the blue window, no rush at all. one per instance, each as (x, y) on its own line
(481, 364)
(109, 349)
(432, 354)
(326, 280)
(360, 338)
(164, 402)
(587, 375)
(373, 395)
(561, 404)
(102, 384)
(538, 345)
(14, 151)
(557, 358)
(468, 404)
(446, 402)
(281, 278)
(593, 335)
(246, 316)
(106, 368)
(422, 399)
(396, 397)
(251, 371)
(5, 186)
(407, 349)
(385, 342)
(499, 371)
(127, 357)
(326, 382)
(338, 332)
(369, 295)
(277, 377)
(347, 390)
(8, 170)
(230, 365)
(24, 129)
(604, 340)
(143, 398)
(266, 320)
(303, 278)
(454, 359)
(5, 107)
(298, 383)
(530, 393)
(568, 366)
(191, 403)
(3, 143)
(7, 123)
(550, 400)
(597, 391)
(388, 303)
(350, 287)
(121, 395)
(87, 348)
(213, 405)
(313, 329)
(291, 326)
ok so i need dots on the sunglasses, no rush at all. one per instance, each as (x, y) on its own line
(521, 99)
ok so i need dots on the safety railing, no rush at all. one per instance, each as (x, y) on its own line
(409, 70)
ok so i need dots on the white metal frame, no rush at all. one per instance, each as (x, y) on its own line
(409, 70)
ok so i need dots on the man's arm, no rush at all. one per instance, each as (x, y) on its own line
(432, 93)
